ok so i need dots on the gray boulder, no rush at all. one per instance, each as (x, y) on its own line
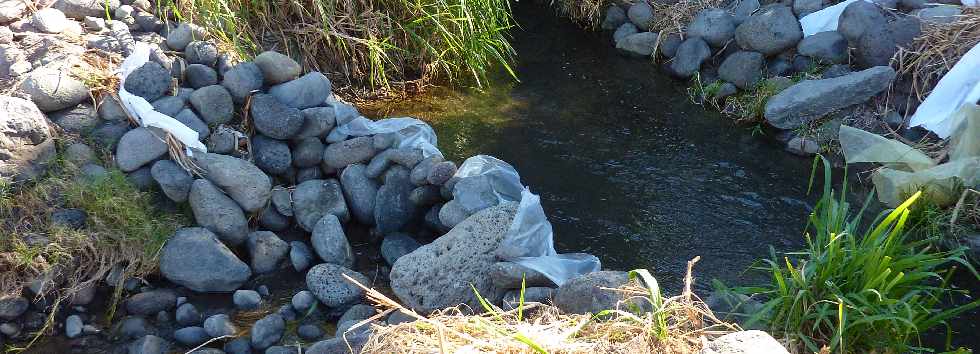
(624, 30)
(805, 7)
(11, 10)
(79, 154)
(857, 18)
(689, 57)
(339, 155)
(12, 307)
(543, 295)
(939, 14)
(406, 157)
(191, 336)
(308, 152)
(242, 79)
(169, 105)
(439, 274)
(246, 300)
(300, 256)
(78, 9)
(745, 342)
(744, 69)
(267, 331)
(828, 47)
(769, 31)
(266, 251)
(396, 245)
(317, 122)
(188, 315)
(192, 121)
(615, 17)
(80, 119)
(243, 181)
(360, 193)
(215, 211)
(179, 37)
(282, 200)
(173, 180)
(273, 118)
(641, 14)
(220, 325)
(213, 103)
(811, 99)
(50, 20)
(138, 147)
(150, 302)
(271, 155)
(641, 44)
(149, 81)
(201, 52)
(330, 242)
(309, 90)
(875, 47)
(715, 26)
(743, 9)
(270, 219)
(110, 109)
(148, 344)
(393, 209)
(53, 90)
(277, 68)
(420, 172)
(327, 283)
(302, 301)
(200, 75)
(196, 259)
(585, 293)
(27, 142)
(315, 198)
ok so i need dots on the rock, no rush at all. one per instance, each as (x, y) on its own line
(330, 242)
(769, 31)
(625, 30)
(274, 119)
(310, 332)
(392, 208)
(509, 275)
(27, 142)
(743, 9)
(110, 109)
(149, 81)
(689, 57)
(436, 275)
(714, 26)
(308, 152)
(803, 146)
(142, 179)
(240, 345)
(224, 140)
(217, 212)
(857, 18)
(271, 220)
(452, 213)
(53, 90)
(282, 200)
(940, 14)
(279, 349)
(191, 251)
(425, 195)
(309, 90)
(243, 181)
(50, 20)
(11, 10)
(148, 344)
(267, 331)
(277, 68)
(138, 147)
(326, 282)
(745, 342)
(187, 315)
(266, 251)
(342, 154)
(825, 47)
(317, 122)
(641, 14)
(912, 4)
(151, 302)
(272, 156)
(315, 198)
(147, 22)
(406, 157)
(875, 48)
(169, 105)
(180, 37)
(201, 52)
(357, 313)
(805, 7)
(173, 180)
(78, 120)
(246, 300)
(300, 256)
(133, 327)
(69, 218)
(78, 9)
(641, 44)
(242, 79)
(732, 307)
(84, 295)
(303, 301)
(352, 342)
(191, 120)
(213, 103)
(811, 99)
(191, 336)
(200, 75)
(541, 295)
(219, 325)
(584, 293)
(73, 326)
(744, 69)
(421, 170)
(615, 17)
(904, 30)
(308, 173)
(108, 135)
(396, 245)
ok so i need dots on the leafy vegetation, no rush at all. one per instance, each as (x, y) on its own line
(858, 289)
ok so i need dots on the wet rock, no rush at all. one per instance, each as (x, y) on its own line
(271, 220)
(73, 326)
(191, 251)
(213, 103)
(811, 99)
(138, 147)
(857, 18)
(309, 90)
(192, 121)
(149, 344)
(243, 181)
(769, 31)
(615, 17)
(267, 331)
(396, 245)
(275, 119)
(169, 105)
(50, 20)
(242, 79)
(641, 14)
(200, 75)
(330, 242)
(27, 143)
(277, 68)
(272, 156)
(825, 47)
(180, 37)
(326, 282)
(201, 52)
(316, 198)
(78, 9)
(240, 345)
(317, 122)
(188, 315)
(310, 332)
(300, 256)
(151, 302)
(392, 207)
(219, 325)
(215, 211)
(625, 30)
(266, 250)
(641, 44)
(585, 293)
(744, 69)
(428, 278)
(303, 301)
(149, 81)
(53, 90)
(689, 57)
(191, 336)
(246, 300)
(714, 26)
(745, 342)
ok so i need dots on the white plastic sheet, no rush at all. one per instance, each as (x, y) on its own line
(960, 86)
(144, 112)
(823, 20)
(411, 132)
(485, 181)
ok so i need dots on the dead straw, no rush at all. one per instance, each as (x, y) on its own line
(933, 54)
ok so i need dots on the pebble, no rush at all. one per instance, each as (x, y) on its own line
(303, 301)
(219, 325)
(246, 299)
(191, 336)
(310, 332)
(73, 326)
(187, 315)
(300, 256)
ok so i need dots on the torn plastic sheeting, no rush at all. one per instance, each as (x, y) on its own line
(143, 110)
(411, 132)
(485, 181)
(960, 86)
(862, 146)
(823, 20)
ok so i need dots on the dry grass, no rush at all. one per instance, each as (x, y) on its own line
(682, 324)
(671, 18)
(933, 54)
(587, 13)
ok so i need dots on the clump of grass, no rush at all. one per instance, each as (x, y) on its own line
(587, 13)
(749, 106)
(673, 17)
(854, 290)
(376, 43)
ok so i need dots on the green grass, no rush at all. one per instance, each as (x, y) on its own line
(855, 289)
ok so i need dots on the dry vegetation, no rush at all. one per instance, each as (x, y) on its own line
(933, 54)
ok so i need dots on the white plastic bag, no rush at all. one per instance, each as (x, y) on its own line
(411, 132)
(485, 181)
(960, 86)
(144, 112)
(823, 20)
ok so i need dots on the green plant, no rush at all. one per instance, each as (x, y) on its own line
(854, 290)
(750, 105)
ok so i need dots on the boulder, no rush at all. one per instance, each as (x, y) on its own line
(273, 118)
(267, 331)
(150, 302)
(307, 152)
(406, 157)
(12, 307)
(828, 47)
(53, 90)
(300, 256)
(201, 52)
(179, 37)
(243, 181)
(396, 245)
(330, 242)
(215, 211)
(875, 47)
(510, 275)
(615, 17)
(246, 300)
(939, 14)
(173, 180)
(743, 9)
(309, 90)
(196, 259)
(641, 14)
(440, 274)
(277, 68)
(811, 99)
(191, 336)
(393, 209)
(689, 57)
(745, 342)
(219, 325)
(50, 20)
(641, 44)
(149, 81)
(714, 26)
(78, 9)
(77, 120)
(744, 69)
(441, 172)
(625, 30)
(139, 147)
(200, 75)
(543, 295)
(586, 294)
(169, 105)
(213, 103)
(317, 122)
(266, 251)
(769, 31)
(857, 18)
(360, 193)
(271, 155)
(11, 10)
(148, 344)
(191, 120)
(270, 219)
(805, 7)
(26, 141)
(327, 283)
(315, 198)
(242, 79)
(110, 109)
(339, 155)
(302, 301)
(188, 315)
